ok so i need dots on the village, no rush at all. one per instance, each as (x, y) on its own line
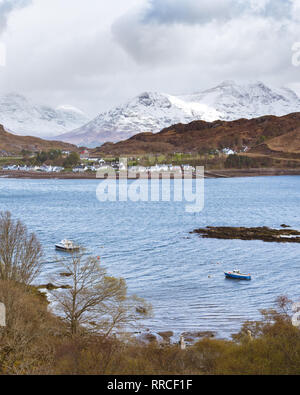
(85, 163)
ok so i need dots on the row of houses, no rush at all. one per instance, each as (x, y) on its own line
(135, 169)
(84, 168)
(102, 166)
(161, 169)
(44, 168)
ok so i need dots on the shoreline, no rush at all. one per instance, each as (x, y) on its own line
(225, 173)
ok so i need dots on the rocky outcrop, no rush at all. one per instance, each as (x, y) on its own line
(261, 233)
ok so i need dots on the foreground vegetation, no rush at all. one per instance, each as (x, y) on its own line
(94, 307)
(37, 342)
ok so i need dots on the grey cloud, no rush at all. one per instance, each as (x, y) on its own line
(174, 33)
(204, 11)
(6, 7)
(277, 9)
(165, 45)
(190, 12)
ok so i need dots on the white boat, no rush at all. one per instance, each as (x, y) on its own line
(67, 245)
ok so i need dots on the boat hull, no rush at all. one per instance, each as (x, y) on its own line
(61, 248)
(236, 276)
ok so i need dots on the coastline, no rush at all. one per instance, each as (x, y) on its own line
(225, 173)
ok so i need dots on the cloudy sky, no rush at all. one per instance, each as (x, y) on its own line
(94, 54)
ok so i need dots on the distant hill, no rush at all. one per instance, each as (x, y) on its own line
(153, 111)
(263, 135)
(20, 115)
(13, 144)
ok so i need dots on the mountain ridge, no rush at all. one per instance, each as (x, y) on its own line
(154, 111)
(264, 135)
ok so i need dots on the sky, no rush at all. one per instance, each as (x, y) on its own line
(95, 54)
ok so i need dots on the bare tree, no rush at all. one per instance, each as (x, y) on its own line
(93, 301)
(20, 252)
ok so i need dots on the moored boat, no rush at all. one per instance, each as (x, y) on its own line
(67, 245)
(237, 275)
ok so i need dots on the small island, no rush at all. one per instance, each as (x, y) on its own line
(258, 233)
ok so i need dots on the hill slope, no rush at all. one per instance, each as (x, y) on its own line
(13, 144)
(151, 112)
(259, 135)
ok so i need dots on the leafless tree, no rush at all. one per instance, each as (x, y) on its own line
(95, 302)
(20, 251)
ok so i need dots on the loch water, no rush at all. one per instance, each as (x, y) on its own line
(150, 245)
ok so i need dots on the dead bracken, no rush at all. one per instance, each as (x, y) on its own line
(242, 233)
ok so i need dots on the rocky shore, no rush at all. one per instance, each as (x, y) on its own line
(169, 337)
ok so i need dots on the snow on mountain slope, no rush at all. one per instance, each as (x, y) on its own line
(21, 116)
(148, 112)
(151, 112)
(234, 101)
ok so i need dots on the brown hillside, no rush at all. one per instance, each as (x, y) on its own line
(261, 135)
(289, 142)
(13, 144)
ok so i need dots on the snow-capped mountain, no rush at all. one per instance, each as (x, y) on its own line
(148, 112)
(233, 101)
(151, 112)
(20, 116)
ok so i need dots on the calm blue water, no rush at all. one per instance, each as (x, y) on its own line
(150, 246)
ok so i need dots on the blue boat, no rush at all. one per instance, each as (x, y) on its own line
(237, 275)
